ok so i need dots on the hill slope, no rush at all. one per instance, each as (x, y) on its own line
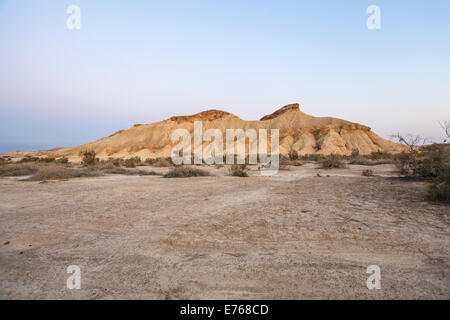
(298, 131)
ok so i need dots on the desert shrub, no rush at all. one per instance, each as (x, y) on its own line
(116, 170)
(185, 172)
(88, 158)
(361, 160)
(439, 190)
(312, 157)
(3, 161)
(367, 173)
(130, 163)
(47, 160)
(355, 153)
(17, 170)
(62, 160)
(163, 162)
(239, 170)
(432, 162)
(56, 172)
(377, 155)
(28, 158)
(150, 161)
(285, 161)
(332, 161)
(138, 161)
(293, 155)
(116, 162)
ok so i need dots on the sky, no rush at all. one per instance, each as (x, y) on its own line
(145, 61)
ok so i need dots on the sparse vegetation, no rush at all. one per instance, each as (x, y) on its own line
(17, 169)
(88, 158)
(293, 155)
(312, 157)
(116, 170)
(239, 170)
(163, 162)
(57, 172)
(185, 172)
(427, 162)
(130, 163)
(367, 173)
(355, 153)
(62, 160)
(333, 161)
(439, 190)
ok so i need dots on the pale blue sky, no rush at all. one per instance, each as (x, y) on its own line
(144, 61)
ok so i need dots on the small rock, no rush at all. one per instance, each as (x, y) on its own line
(6, 243)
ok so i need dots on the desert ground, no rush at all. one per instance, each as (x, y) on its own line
(295, 235)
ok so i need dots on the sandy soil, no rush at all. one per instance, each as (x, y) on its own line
(292, 236)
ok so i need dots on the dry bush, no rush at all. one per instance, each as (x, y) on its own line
(185, 172)
(439, 190)
(115, 170)
(88, 158)
(365, 161)
(284, 161)
(47, 160)
(312, 157)
(28, 158)
(367, 173)
(431, 162)
(355, 153)
(238, 170)
(62, 160)
(332, 161)
(56, 172)
(17, 170)
(130, 163)
(163, 162)
(3, 161)
(293, 155)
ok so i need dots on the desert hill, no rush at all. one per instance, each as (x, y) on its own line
(297, 130)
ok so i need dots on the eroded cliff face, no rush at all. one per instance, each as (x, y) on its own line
(297, 130)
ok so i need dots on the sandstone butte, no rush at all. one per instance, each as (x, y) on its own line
(297, 130)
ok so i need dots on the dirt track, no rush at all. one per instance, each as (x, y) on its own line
(292, 236)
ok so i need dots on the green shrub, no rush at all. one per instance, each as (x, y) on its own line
(88, 158)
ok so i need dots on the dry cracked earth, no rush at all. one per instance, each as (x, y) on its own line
(291, 236)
